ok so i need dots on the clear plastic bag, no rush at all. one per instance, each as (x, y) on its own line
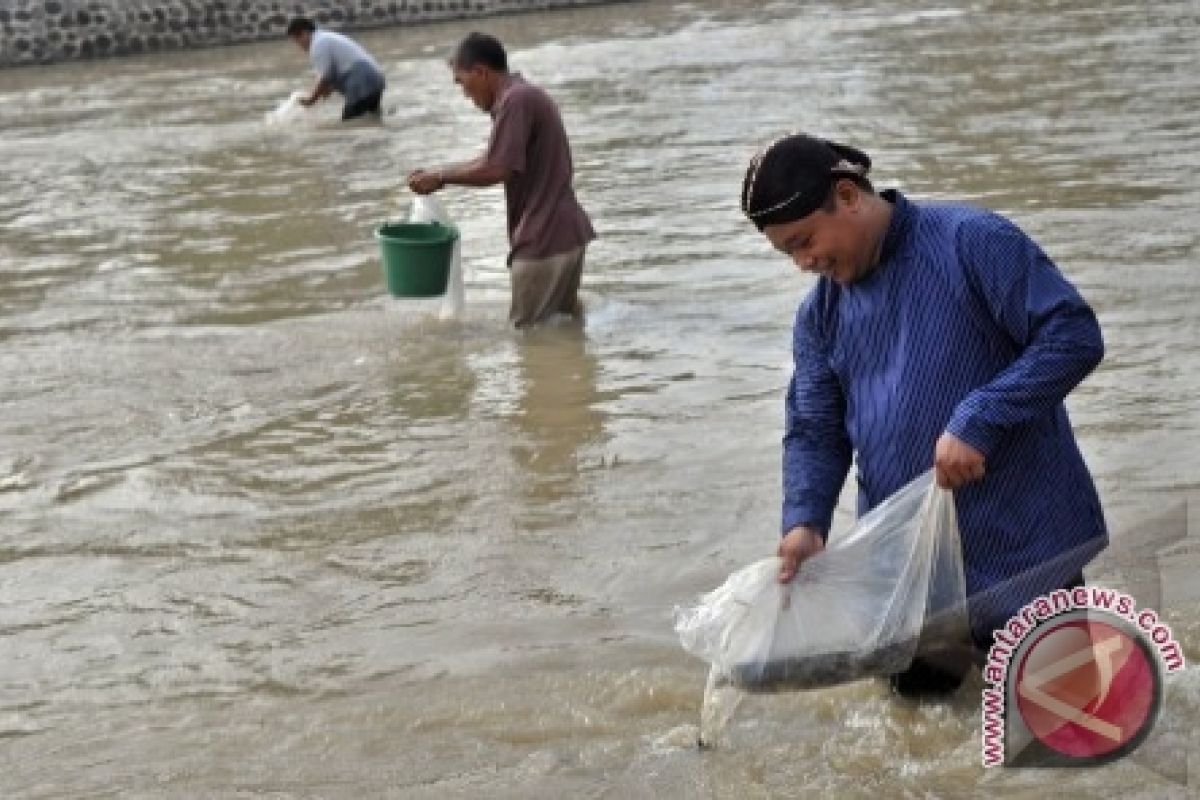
(889, 588)
(428, 209)
(288, 111)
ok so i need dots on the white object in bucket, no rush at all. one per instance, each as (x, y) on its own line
(428, 209)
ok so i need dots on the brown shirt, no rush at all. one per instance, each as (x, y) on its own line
(528, 137)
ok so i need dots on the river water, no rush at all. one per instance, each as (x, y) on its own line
(269, 533)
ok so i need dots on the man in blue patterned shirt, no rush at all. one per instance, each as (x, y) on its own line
(938, 336)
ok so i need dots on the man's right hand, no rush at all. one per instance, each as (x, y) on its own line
(801, 543)
(425, 181)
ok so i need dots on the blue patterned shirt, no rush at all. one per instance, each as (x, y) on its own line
(965, 326)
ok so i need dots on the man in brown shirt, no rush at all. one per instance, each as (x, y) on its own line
(528, 151)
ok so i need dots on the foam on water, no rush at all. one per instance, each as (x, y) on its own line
(681, 737)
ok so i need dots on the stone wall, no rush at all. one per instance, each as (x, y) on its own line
(43, 31)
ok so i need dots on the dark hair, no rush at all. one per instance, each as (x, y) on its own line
(480, 48)
(301, 25)
(861, 181)
(795, 175)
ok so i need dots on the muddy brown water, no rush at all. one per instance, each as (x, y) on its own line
(265, 532)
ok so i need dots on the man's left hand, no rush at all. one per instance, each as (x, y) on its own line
(424, 182)
(956, 462)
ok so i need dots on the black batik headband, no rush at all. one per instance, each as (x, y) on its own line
(789, 178)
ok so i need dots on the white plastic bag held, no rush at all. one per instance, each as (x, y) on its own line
(428, 209)
(889, 587)
(287, 112)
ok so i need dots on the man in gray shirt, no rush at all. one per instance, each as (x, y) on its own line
(342, 66)
(528, 152)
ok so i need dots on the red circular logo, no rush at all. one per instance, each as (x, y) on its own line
(1088, 689)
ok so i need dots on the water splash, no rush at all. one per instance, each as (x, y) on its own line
(721, 700)
(288, 111)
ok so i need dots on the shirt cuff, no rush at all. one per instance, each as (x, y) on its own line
(809, 516)
(968, 425)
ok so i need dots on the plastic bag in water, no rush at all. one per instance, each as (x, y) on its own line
(428, 209)
(288, 111)
(889, 588)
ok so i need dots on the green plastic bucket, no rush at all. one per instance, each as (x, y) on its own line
(416, 257)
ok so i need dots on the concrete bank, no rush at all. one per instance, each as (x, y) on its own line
(45, 31)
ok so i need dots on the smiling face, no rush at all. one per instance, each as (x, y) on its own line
(834, 241)
(477, 84)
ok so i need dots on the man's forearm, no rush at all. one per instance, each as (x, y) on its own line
(811, 484)
(473, 173)
(1067, 348)
(320, 90)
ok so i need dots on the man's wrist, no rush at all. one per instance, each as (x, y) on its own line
(812, 530)
(804, 516)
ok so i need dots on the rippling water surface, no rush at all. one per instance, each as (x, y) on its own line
(266, 532)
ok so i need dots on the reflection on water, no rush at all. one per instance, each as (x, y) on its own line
(556, 419)
(430, 384)
(268, 532)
